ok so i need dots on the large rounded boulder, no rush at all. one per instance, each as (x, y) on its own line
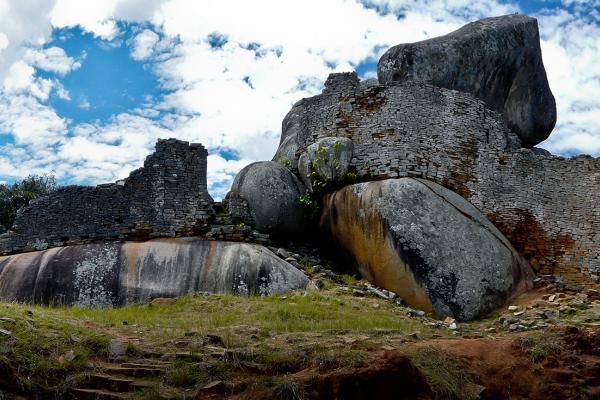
(427, 244)
(272, 193)
(498, 60)
(121, 273)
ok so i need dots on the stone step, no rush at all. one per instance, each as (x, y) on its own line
(133, 372)
(143, 384)
(147, 364)
(99, 394)
(106, 382)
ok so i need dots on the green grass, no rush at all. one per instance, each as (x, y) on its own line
(33, 357)
(42, 335)
(301, 312)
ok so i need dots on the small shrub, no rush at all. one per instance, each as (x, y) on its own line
(349, 279)
(445, 376)
(310, 205)
(287, 389)
(541, 347)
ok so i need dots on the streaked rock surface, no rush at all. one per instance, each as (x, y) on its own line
(121, 273)
(427, 244)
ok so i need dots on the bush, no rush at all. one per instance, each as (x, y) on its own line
(19, 194)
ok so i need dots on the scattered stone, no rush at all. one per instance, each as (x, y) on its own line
(117, 348)
(9, 320)
(215, 387)
(5, 332)
(513, 308)
(416, 313)
(518, 313)
(67, 357)
(283, 253)
(449, 320)
(552, 298)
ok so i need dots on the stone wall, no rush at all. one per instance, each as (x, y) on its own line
(167, 197)
(547, 206)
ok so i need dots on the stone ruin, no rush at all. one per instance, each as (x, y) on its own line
(167, 197)
(547, 206)
(427, 179)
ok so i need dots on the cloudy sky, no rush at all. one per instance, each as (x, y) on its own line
(87, 87)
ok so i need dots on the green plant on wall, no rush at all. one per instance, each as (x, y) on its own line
(310, 204)
(284, 162)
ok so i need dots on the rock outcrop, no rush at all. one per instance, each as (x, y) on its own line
(121, 273)
(272, 194)
(498, 60)
(427, 244)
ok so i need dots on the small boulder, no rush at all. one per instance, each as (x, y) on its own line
(117, 348)
(427, 244)
(272, 193)
(498, 60)
(325, 162)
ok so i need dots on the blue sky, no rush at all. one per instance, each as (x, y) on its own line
(86, 88)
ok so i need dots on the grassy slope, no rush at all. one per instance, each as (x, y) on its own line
(287, 333)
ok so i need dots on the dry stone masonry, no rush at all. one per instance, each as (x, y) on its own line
(498, 60)
(547, 206)
(167, 197)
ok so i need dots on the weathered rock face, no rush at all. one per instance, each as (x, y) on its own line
(499, 60)
(427, 244)
(272, 194)
(325, 161)
(121, 273)
(547, 206)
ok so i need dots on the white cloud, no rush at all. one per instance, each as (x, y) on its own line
(143, 44)
(571, 51)
(3, 41)
(53, 59)
(21, 79)
(83, 103)
(30, 123)
(61, 92)
(234, 95)
(93, 16)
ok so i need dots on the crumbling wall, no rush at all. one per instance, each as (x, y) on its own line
(167, 197)
(547, 206)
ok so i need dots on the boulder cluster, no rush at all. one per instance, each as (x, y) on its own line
(401, 174)
(411, 236)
